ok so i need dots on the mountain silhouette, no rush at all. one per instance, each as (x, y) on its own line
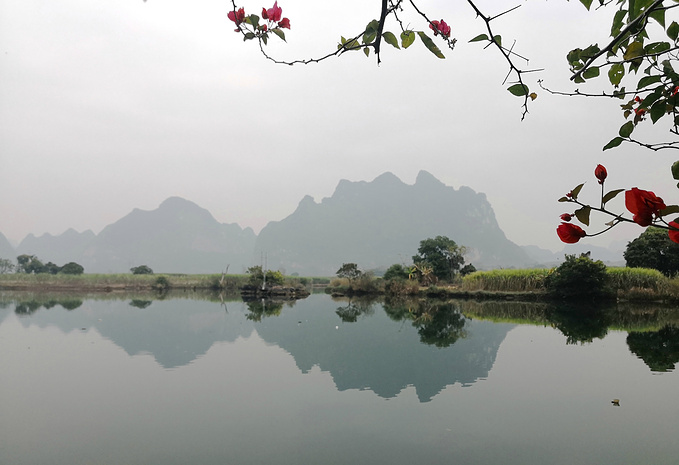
(379, 223)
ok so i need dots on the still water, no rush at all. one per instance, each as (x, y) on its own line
(322, 381)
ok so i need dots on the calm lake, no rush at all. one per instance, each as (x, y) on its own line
(322, 381)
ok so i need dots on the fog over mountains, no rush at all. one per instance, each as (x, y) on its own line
(374, 224)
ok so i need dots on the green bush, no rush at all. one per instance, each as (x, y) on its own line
(579, 278)
(142, 269)
(396, 271)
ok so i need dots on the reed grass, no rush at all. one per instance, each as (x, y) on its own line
(523, 280)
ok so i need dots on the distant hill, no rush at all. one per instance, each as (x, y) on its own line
(177, 237)
(547, 258)
(6, 250)
(379, 223)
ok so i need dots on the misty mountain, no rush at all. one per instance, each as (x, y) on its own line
(6, 249)
(59, 249)
(177, 237)
(379, 223)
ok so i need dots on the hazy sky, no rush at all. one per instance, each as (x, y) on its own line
(110, 105)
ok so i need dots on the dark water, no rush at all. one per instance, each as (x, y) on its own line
(182, 381)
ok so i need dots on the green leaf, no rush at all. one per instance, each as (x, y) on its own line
(576, 191)
(611, 195)
(613, 143)
(587, 3)
(634, 50)
(564, 199)
(279, 32)
(669, 210)
(265, 38)
(591, 72)
(431, 46)
(626, 129)
(582, 214)
(498, 40)
(252, 20)
(673, 31)
(248, 36)
(675, 170)
(659, 16)
(407, 38)
(518, 89)
(479, 38)
(647, 81)
(391, 39)
(370, 32)
(616, 27)
(616, 73)
(366, 50)
(658, 110)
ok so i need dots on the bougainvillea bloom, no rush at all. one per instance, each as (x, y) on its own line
(570, 233)
(643, 205)
(674, 233)
(284, 23)
(237, 16)
(600, 173)
(674, 92)
(273, 14)
(566, 217)
(440, 27)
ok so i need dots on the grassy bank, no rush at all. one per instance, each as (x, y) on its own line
(134, 282)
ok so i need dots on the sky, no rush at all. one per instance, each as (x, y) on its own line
(111, 105)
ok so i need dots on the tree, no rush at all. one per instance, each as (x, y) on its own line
(6, 266)
(349, 271)
(29, 264)
(141, 269)
(643, 37)
(442, 254)
(273, 278)
(653, 249)
(52, 268)
(72, 268)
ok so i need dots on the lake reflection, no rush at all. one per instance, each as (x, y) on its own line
(144, 381)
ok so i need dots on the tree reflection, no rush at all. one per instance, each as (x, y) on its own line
(263, 308)
(139, 303)
(658, 349)
(355, 308)
(438, 323)
(580, 322)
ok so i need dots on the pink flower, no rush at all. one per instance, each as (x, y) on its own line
(273, 14)
(643, 205)
(570, 233)
(566, 217)
(600, 173)
(284, 23)
(674, 233)
(237, 16)
(440, 27)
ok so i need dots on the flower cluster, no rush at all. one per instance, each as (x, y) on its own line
(440, 27)
(273, 16)
(647, 209)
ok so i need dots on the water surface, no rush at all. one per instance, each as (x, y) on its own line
(182, 381)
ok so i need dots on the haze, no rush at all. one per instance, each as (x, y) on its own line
(108, 106)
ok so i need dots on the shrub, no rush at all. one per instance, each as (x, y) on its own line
(396, 271)
(142, 269)
(72, 268)
(578, 278)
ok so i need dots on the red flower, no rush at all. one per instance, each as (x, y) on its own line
(643, 205)
(273, 14)
(284, 23)
(237, 16)
(566, 217)
(674, 92)
(640, 111)
(600, 173)
(570, 233)
(674, 233)
(440, 27)
(637, 99)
